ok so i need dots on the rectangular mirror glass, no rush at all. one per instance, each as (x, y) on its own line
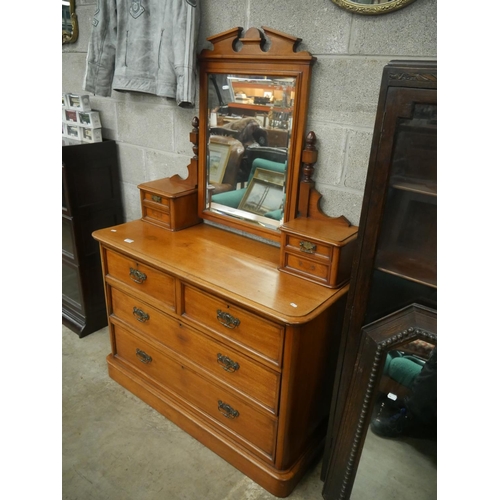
(250, 120)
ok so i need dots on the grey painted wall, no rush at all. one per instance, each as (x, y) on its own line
(153, 132)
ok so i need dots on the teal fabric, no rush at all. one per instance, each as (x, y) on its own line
(233, 198)
(403, 368)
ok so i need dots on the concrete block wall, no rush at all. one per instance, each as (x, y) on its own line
(153, 132)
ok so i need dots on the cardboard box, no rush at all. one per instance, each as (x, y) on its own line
(91, 134)
(80, 102)
(89, 119)
(73, 131)
(70, 116)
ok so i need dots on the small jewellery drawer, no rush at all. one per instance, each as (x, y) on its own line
(226, 364)
(153, 199)
(318, 252)
(314, 249)
(311, 267)
(244, 329)
(159, 285)
(153, 215)
(230, 413)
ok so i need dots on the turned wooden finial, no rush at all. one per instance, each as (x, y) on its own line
(309, 157)
(193, 136)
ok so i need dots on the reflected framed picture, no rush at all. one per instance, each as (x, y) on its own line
(265, 192)
(218, 158)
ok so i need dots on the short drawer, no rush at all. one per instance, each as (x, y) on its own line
(311, 267)
(144, 278)
(228, 412)
(231, 367)
(162, 201)
(311, 247)
(242, 328)
(152, 214)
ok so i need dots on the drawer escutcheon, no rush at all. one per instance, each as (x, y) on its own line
(137, 276)
(307, 247)
(227, 411)
(225, 319)
(227, 364)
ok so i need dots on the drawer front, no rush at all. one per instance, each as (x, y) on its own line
(313, 248)
(241, 328)
(230, 413)
(307, 266)
(157, 215)
(162, 201)
(159, 285)
(231, 367)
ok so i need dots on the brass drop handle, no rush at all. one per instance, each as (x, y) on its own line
(227, 364)
(156, 198)
(140, 315)
(143, 357)
(225, 319)
(227, 411)
(137, 276)
(307, 247)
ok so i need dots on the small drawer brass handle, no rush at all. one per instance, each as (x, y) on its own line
(225, 319)
(227, 364)
(307, 247)
(143, 357)
(140, 315)
(156, 198)
(227, 411)
(137, 276)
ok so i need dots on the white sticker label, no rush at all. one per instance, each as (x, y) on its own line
(293, 305)
(113, 230)
(128, 240)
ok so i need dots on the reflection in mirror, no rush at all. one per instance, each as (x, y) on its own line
(250, 122)
(69, 22)
(372, 7)
(399, 456)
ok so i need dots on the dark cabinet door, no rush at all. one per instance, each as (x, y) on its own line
(395, 262)
(91, 199)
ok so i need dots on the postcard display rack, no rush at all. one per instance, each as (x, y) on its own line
(79, 121)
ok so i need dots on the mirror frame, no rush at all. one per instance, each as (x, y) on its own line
(377, 339)
(265, 52)
(73, 36)
(372, 10)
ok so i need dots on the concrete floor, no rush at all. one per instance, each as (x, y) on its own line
(115, 447)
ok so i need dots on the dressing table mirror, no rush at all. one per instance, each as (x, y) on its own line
(254, 92)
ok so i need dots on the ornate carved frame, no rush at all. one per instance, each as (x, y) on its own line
(411, 323)
(372, 10)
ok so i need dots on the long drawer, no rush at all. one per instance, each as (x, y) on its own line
(228, 365)
(231, 414)
(141, 277)
(241, 328)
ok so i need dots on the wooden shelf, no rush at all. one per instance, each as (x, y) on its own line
(407, 267)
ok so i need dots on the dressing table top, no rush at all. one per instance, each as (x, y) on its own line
(224, 263)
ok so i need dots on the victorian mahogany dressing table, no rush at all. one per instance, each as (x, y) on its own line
(232, 338)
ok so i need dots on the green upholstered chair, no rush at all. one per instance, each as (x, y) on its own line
(233, 198)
